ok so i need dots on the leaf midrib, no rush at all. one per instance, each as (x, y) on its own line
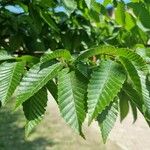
(38, 85)
(104, 83)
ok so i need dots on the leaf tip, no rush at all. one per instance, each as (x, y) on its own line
(82, 135)
(104, 140)
(16, 106)
(90, 121)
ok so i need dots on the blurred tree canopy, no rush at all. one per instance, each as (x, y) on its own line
(28, 26)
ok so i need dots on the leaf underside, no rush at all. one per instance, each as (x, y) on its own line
(124, 105)
(52, 88)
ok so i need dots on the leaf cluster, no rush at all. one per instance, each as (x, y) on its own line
(94, 59)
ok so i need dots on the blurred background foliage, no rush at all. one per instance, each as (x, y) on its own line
(28, 26)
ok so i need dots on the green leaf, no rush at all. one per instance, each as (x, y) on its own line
(94, 16)
(101, 50)
(134, 96)
(83, 69)
(106, 2)
(61, 53)
(107, 119)
(52, 88)
(5, 56)
(71, 99)
(97, 7)
(132, 72)
(129, 21)
(48, 19)
(138, 101)
(141, 12)
(35, 79)
(145, 91)
(10, 75)
(88, 3)
(120, 13)
(144, 16)
(34, 109)
(70, 5)
(29, 60)
(136, 59)
(144, 52)
(129, 96)
(134, 111)
(105, 83)
(124, 105)
(134, 1)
